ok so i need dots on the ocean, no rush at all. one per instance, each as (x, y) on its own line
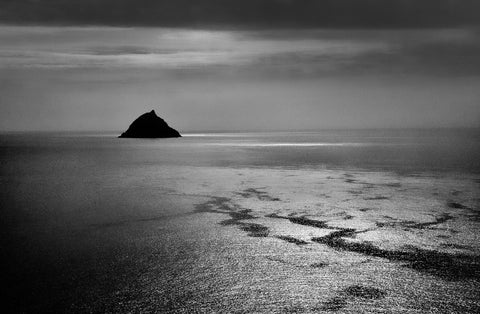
(346, 221)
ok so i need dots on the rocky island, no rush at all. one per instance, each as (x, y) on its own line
(149, 125)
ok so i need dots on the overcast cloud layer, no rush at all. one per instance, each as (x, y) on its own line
(236, 13)
(100, 78)
(444, 52)
(239, 64)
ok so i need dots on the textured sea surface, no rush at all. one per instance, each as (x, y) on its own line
(370, 221)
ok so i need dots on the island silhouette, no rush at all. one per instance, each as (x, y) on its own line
(149, 125)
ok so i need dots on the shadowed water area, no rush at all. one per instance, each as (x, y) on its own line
(333, 221)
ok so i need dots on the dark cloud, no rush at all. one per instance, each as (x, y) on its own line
(245, 13)
(253, 53)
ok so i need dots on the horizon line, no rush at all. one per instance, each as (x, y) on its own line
(193, 131)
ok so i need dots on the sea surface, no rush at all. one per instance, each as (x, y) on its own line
(344, 221)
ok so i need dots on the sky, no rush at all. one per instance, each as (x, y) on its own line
(211, 65)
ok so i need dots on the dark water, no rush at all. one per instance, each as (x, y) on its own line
(402, 150)
(86, 225)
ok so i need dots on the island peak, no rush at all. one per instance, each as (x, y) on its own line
(149, 125)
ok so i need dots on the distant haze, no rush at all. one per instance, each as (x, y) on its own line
(231, 71)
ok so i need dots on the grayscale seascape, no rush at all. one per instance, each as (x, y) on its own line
(240, 156)
(329, 221)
